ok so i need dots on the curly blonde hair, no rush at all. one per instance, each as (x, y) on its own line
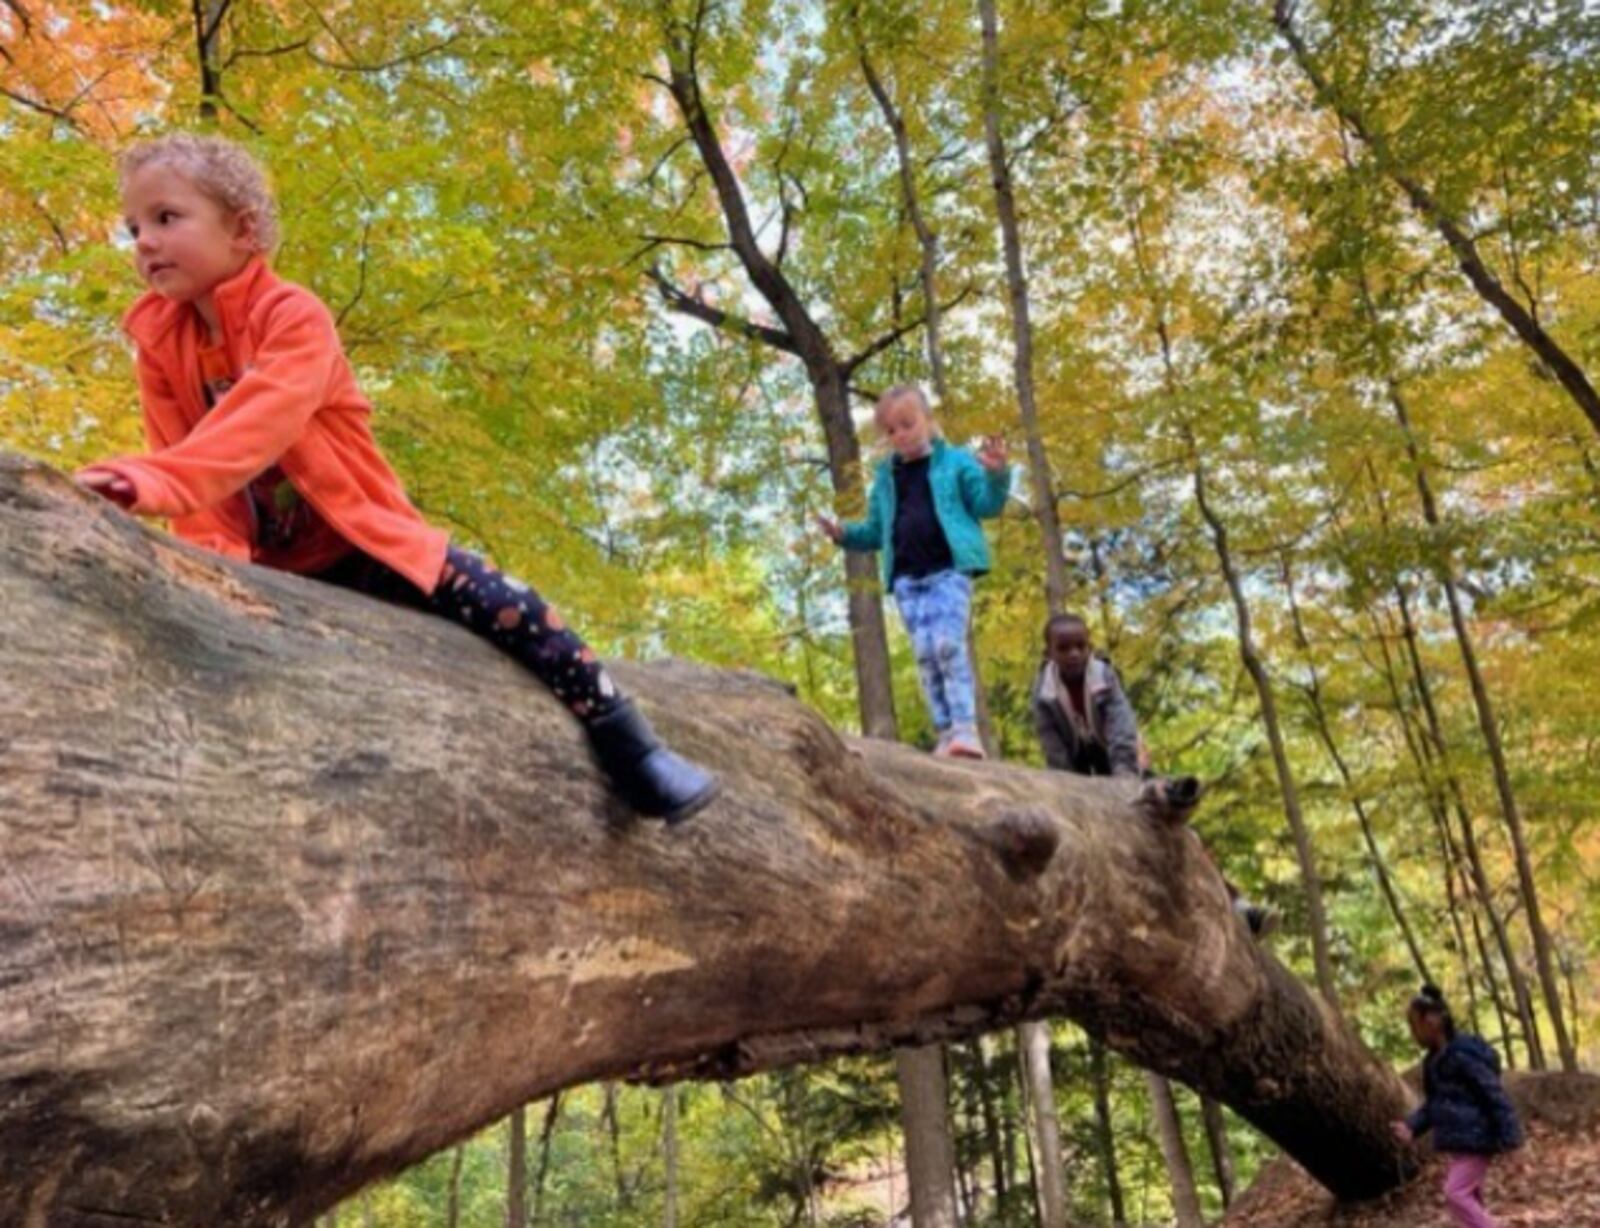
(222, 170)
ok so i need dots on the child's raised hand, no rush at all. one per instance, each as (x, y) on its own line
(994, 454)
(108, 485)
(833, 530)
(1402, 1132)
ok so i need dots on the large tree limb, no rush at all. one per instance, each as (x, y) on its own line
(299, 888)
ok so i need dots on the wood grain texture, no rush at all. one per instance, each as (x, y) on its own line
(299, 888)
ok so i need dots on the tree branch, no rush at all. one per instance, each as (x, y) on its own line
(687, 304)
(895, 334)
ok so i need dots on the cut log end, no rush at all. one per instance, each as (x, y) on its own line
(1170, 800)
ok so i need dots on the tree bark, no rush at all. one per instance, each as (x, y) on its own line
(552, 1114)
(452, 1206)
(1057, 581)
(1169, 1130)
(930, 1154)
(266, 860)
(669, 1148)
(1221, 1153)
(517, 1168)
(1106, 1131)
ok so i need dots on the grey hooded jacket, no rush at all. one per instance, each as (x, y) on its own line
(1113, 726)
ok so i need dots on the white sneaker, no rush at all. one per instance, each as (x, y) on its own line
(964, 744)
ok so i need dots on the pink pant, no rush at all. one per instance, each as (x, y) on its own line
(1463, 1190)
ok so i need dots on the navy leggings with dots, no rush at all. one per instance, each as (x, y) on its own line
(506, 612)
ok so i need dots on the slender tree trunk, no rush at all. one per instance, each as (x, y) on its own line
(1033, 1040)
(552, 1114)
(1105, 1129)
(669, 1150)
(1057, 581)
(1483, 705)
(1523, 321)
(1468, 831)
(930, 1156)
(983, 1077)
(517, 1169)
(1221, 1152)
(208, 15)
(1169, 1130)
(452, 1206)
(1249, 654)
(1324, 728)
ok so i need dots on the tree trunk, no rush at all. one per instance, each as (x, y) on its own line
(1185, 1198)
(517, 1169)
(1106, 1131)
(925, 1119)
(991, 1120)
(1057, 581)
(264, 856)
(1489, 726)
(552, 1114)
(1311, 879)
(1221, 1153)
(1469, 837)
(1324, 728)
(452, 1206)
(1033, 1042)
(669, 1149)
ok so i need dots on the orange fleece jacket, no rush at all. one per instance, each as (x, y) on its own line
(296, 405)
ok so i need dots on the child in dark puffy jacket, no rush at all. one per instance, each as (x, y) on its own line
(1464, 1104)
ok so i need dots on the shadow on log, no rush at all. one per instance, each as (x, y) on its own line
(299, 888)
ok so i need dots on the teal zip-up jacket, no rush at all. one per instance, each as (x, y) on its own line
(964, 492)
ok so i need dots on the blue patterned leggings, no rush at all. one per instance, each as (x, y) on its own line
(936, 610)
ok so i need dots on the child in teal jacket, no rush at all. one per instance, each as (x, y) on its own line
(923, 511)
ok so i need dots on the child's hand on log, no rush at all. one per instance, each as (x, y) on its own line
(831, 528)
(107, 485)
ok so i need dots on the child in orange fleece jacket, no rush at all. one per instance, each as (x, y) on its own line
(261, 448)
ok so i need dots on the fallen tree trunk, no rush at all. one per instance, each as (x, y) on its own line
(299, 888)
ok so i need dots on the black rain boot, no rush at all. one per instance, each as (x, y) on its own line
(655, 781)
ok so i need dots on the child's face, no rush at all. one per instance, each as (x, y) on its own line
(1070, 649)
(1426, 1029)
(907, 426)
(185, 243)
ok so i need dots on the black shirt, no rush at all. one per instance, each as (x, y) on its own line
(920, 547)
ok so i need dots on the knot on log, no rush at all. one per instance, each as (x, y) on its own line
(1170, 799)
(1024, 841)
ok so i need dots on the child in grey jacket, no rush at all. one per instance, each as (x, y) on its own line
(1087, 726)
(1084, 720)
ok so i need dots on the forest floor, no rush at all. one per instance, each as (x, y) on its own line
(1552, 1182)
